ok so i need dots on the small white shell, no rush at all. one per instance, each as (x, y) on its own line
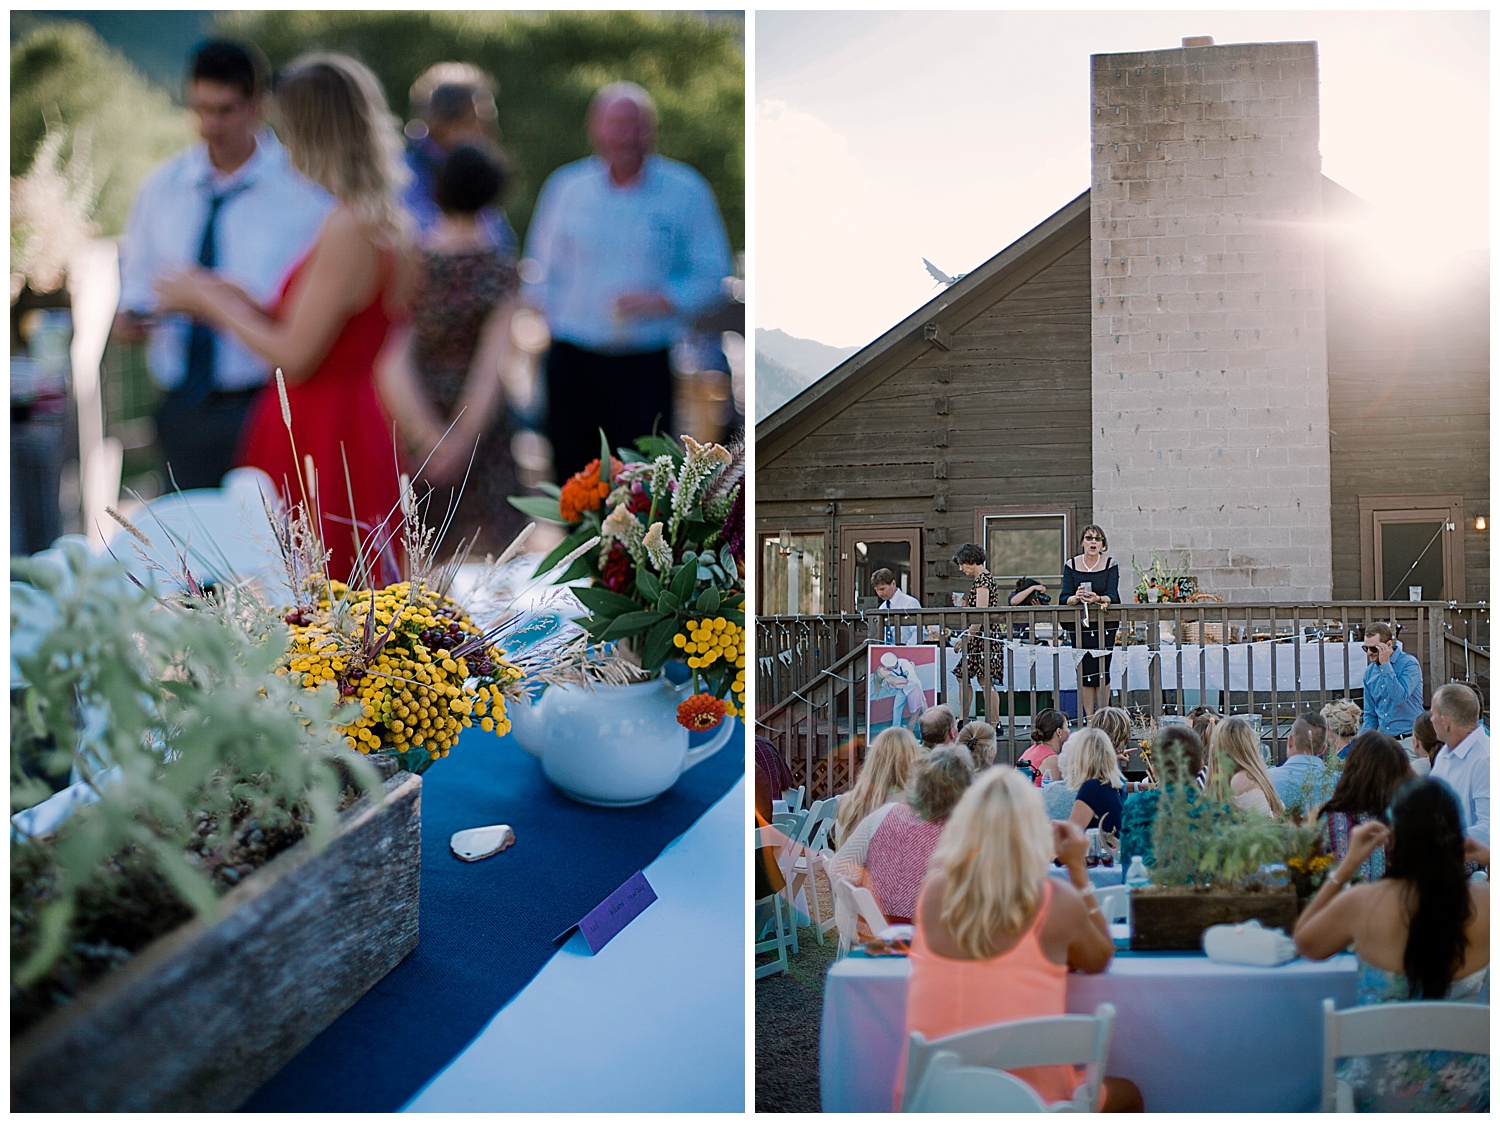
(480, 842)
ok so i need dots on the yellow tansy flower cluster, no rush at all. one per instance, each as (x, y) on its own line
(707, 641)
(412, 693)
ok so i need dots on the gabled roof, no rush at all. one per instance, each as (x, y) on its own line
(958, 303)
(857, 375)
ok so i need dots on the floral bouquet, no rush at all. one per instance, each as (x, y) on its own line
(406, 660)
(659, 531)
(1162, 581)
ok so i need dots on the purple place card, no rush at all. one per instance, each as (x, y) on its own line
(608, 919)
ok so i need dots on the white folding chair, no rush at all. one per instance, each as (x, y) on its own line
(222, 532)
(950, 1085)
(851, 904)
(1396, 1027)
(1114, 903)
(794, 797)
(1069, 1039)
(770, 920)
(807, 859)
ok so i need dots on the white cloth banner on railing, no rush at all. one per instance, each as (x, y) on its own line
(1309, 667)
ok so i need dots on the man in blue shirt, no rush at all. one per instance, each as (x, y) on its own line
(1393, 685)
(234, 204)
(1303, 782)
(626, 249)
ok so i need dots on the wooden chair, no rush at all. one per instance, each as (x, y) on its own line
(1070, 1039)
(770, 917)
(1396, 1027)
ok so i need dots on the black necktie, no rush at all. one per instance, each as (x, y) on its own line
(199, 380)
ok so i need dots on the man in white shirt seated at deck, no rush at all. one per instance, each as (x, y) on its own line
(233, 204)
(1463, 763)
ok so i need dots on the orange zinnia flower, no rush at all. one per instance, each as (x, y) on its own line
(701, 712)
(585, 491)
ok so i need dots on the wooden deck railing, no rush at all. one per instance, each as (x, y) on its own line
(1273, 661)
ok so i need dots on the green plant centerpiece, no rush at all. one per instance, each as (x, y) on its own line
(666, 520)
(1212, 864)
(195, 759)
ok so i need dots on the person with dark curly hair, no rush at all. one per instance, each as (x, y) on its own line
(1375, 768)
(1421, 933)
(983, 653)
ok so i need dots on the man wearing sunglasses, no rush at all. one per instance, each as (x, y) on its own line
(1393, 685)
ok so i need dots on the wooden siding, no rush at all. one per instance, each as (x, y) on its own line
(1409, 399)
(1001, 417)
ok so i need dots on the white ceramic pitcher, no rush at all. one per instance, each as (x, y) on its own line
(611, 746)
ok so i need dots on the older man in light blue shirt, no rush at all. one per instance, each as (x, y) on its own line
(235, 204)
(625, 250)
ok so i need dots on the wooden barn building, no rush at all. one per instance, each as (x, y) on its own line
(1190, 354)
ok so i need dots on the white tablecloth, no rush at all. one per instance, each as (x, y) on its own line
(654, 1022)
(1308, 666)
(1192, 1034)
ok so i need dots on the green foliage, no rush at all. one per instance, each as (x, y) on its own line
(547, 65)
(1203, 842)
(64, 74)
(201, 736)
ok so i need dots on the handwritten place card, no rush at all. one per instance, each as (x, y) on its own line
(609, 917)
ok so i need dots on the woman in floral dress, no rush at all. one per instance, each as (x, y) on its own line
(443, 383)
(983, 655)
(1420, 933)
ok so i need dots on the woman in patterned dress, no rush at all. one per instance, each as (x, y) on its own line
(983, 654)
(443, 381)
(1420, 933)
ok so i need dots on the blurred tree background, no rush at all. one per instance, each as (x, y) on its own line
(546, 65)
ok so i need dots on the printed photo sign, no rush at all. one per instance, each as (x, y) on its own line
(902, 683)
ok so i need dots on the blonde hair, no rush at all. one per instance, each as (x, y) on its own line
(1115, 723)
(993, 857)
(1089, 755)
(1235, 748)
(979, 738)
(332, 116)
(887, 765)
(1343, 717)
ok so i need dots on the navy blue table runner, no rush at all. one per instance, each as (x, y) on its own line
(487, 927)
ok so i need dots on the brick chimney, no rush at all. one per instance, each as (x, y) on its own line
(1210, 374)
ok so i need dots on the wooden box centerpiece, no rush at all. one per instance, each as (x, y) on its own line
(207, 1013)
(1212, 864)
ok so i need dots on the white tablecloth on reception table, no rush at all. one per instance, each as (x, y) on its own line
(654, 1022)
(1192, 1034)
(1306, 666)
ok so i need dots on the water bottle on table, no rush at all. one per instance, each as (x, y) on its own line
(1136, 876)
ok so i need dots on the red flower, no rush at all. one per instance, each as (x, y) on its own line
(618, 570)
(700, 713)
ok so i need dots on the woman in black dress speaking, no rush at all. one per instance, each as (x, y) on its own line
(1093, 579)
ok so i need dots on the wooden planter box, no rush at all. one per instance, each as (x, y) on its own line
(1175, 919)
(206, 1014)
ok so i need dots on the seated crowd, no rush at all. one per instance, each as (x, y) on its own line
(960, 846)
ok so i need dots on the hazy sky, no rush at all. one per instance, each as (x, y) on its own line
(885, 137)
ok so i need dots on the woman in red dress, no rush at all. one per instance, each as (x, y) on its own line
(331, 319)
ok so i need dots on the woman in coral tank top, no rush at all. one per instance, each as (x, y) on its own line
(332, 317)
(996, 935)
